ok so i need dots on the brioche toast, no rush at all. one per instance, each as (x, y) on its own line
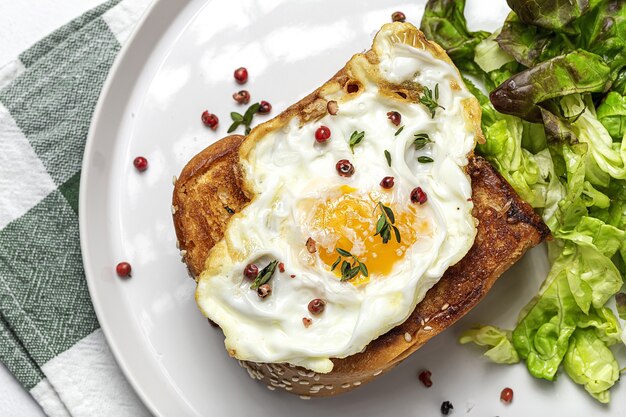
(208, 193)
(211, 189)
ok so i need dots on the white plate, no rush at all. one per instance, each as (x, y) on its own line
(179, 62)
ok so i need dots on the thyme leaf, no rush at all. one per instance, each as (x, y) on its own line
(233, 127)
(332, 268)
(430, 100)
(264, 275)
(343, 252)
(388, 157)
(385, 224)
(425, 159)
(349, 269)
(249, 114)
(355, 139)
(421, 140)
(244, 119)
(397, 233)
(345, 269)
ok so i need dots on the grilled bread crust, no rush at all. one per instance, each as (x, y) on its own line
(209, 191)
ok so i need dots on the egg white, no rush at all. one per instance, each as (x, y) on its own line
(287, 167)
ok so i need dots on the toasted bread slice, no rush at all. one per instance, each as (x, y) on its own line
(208, 192)
(211, 188)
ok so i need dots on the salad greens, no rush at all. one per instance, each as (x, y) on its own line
(576, 72)
(612, 114)
(445, 21)
(555, 128)
(501, 349)
(590, 363)
(551, 14)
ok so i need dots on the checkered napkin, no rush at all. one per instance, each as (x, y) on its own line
(50, 338)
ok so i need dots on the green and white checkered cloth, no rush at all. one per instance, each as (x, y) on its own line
(50, 338)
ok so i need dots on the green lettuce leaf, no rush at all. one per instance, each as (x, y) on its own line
(517, 165)
(444, 22)
(546, 324)
(594, 198)
(570, 208)
(530, 45)
(554, 191)
(575, 72)
(551, 14)
(556, 128)
(534, 137)
(474, 53)
(590, 363)
(603, 32)
(609, 157)
(594, 232)
(580, 193)
(591, 269)
(615, 214)
(503, 148)
(612, 114)
(500, 350)
(619, 85)
(604, 323)
(489, 56)
(592, 277)
(581, 278)
(500, 75)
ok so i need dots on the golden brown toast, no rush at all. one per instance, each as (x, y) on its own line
(208, 192)
(211, 189)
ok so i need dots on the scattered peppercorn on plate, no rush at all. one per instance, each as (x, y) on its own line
(328, 205)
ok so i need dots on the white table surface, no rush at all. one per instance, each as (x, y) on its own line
(22, 23)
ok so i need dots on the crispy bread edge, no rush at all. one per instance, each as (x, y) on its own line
(206, 194)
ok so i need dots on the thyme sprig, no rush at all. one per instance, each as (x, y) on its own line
(385, 223)
(356, 138)
(421, 140)
(349, 269)
(430, 100)
(244, 119)
(264, 275)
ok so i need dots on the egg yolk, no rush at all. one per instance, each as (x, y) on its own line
(349, 222)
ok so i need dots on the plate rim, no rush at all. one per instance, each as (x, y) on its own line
(98, 300)
(83, 215)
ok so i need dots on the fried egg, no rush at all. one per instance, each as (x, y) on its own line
(369, 284)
